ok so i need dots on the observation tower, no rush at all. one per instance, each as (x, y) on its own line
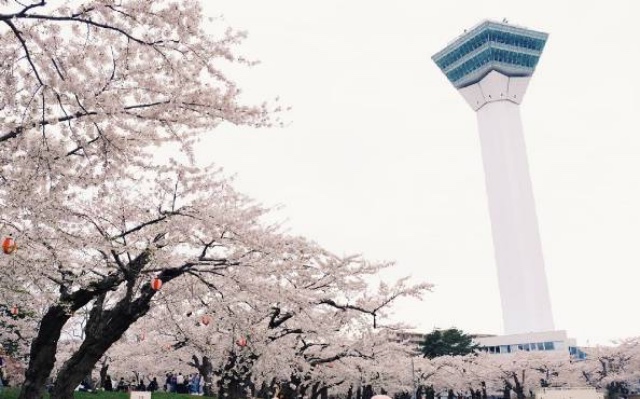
(491, 65)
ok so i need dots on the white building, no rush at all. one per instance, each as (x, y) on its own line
(544, 341)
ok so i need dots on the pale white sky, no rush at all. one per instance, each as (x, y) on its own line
(381, 155)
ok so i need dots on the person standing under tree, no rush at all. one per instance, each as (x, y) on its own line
(180, 387)
(122, 386)
(153, 385)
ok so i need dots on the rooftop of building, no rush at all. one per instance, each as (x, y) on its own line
(510, 49)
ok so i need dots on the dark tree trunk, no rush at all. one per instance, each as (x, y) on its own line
(367, 392)
(430, 392)
(350, 392)
(233, 389)
(263, 392)
(43, 353)
(274, 389)
(518, 388)
(506, 392)
(324, 393)
(302, 390)
(79, 365)
(103, 328)
(290, 390)
(205, 368)
(104, 369)
(235, 381)
(318, 391)
(314, 391)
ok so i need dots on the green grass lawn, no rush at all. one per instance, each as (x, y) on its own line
(12, 393)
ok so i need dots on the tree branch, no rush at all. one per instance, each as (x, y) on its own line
(76, 18)
(78, 115)
(18, 35)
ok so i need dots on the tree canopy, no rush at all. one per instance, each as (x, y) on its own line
(451, 342)
(89, 90)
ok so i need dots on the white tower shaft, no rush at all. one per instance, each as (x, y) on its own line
(526, 306)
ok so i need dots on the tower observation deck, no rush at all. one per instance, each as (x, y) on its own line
(491, 65)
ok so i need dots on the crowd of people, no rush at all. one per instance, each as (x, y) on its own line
(177, 383)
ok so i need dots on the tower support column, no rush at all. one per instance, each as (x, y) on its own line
(526, 306)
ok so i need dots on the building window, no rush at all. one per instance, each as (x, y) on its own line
(548, 346)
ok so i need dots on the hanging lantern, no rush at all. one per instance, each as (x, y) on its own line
(205, 319)
(14, 310)
(8, 245)
(242, 342)
(156, 283)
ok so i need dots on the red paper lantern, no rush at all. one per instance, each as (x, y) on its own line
(156, 283)
(8, 245)
(206, 319)
(242, 342)
(15, 310)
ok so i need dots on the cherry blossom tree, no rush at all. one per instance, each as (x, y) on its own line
(310, 338)
(613, 368)
(201, 234)
(88, 92)
(456, 375)
(481, 373)
(426, 371)
(523, 371)
(302, 348)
